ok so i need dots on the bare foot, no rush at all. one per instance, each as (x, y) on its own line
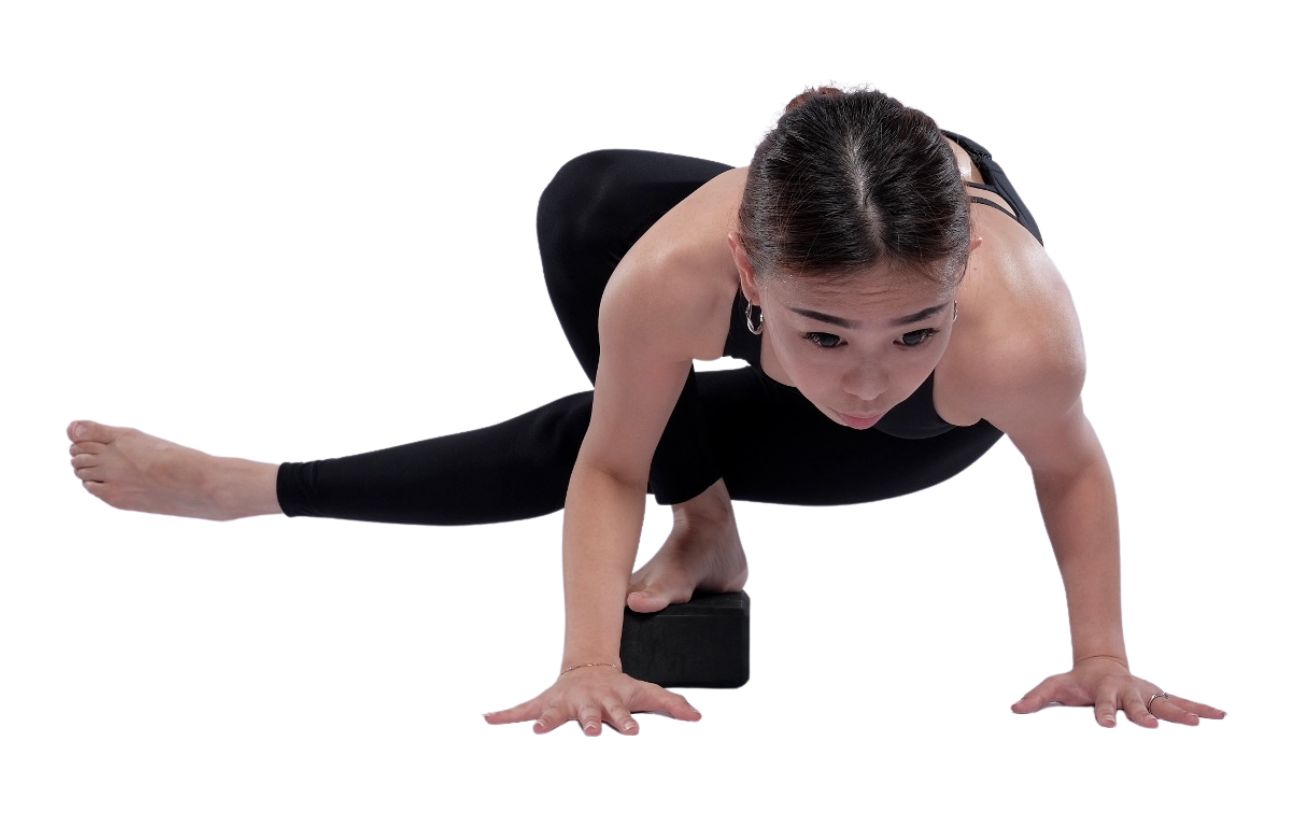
(135, 471)
(699, 554)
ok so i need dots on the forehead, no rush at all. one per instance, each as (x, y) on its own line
(871, 296)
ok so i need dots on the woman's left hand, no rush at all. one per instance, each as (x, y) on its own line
(1106, 683)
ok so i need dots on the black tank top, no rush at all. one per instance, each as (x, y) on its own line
(915, 418)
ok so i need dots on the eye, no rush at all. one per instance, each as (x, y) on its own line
(816, 337)
(921, 336)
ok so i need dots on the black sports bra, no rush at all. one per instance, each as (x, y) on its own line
(915, 418)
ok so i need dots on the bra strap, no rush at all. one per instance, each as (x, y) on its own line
(992, 203)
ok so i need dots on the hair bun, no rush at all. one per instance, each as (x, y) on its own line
(808, 95)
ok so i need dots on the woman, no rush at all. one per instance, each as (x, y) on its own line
(850, 240)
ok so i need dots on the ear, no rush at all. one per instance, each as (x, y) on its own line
(975, 242)
(748, 281)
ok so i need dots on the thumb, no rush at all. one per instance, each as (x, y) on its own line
(1033, 701)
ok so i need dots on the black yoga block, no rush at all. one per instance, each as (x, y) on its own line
(702, 643)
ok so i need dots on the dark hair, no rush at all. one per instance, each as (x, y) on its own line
(847, 180)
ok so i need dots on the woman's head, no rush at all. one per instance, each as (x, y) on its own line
(846, 181)
(853, 207)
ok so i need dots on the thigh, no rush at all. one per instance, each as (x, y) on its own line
(772, 445)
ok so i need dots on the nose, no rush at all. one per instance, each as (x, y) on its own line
(866, 383)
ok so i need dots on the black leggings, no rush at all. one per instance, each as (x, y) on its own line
(763, 439)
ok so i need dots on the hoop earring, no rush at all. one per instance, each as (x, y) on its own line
(749, 318)
(954, 311)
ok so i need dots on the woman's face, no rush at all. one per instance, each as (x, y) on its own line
(858, 347)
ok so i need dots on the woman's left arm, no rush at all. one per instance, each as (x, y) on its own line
(1037, 404)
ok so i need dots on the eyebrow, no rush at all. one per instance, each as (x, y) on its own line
(848, 324)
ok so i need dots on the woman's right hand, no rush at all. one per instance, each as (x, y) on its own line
(590, 695)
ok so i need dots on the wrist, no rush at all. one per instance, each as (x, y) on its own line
(1118, 659)
(592, 666)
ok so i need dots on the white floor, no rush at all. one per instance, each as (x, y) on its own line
(263, 230)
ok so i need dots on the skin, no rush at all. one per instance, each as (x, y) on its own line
(1015, 358)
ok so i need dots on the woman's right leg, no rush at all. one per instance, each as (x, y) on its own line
(589, 216)
(516, 469)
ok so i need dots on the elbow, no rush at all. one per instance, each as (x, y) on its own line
(588, 467)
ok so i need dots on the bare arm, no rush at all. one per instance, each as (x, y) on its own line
(1034, 395)
(1080, 512)
(1036, 401)
(647, 330)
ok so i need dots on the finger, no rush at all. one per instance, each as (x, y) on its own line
(1168, 710)
(1135, 707)
(525, 711)
(678, 707)
(618, 717)
(1202, 710)
(653, 698)
(551, 717)
(589, 719)
(1105, 711)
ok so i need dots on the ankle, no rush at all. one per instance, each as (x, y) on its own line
(705, 509)
(244, 487)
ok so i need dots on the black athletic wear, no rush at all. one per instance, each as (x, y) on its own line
(763, 438)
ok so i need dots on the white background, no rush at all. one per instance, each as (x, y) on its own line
(289, 231)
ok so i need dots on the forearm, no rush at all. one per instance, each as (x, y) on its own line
(1082, 522)
(602, 526)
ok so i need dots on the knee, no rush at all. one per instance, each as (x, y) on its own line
(576, 200)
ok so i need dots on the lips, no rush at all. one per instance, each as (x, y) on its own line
(859, 422)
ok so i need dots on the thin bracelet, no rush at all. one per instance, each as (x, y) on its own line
(576, 666)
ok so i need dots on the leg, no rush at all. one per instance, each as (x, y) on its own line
(589, 216)
(516, 469)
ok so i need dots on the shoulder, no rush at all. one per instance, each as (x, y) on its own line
(669, 302)
(1023, 351)
(1030, 382)
(678, 282)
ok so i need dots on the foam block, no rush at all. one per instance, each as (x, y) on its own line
(702, 643)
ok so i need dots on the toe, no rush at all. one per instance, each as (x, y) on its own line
(646, 601)
(88, 430)
(86, 467)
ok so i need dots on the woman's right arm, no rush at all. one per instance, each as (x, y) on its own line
(647, 338)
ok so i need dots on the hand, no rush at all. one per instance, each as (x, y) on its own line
(1106, 682)
(590, 695)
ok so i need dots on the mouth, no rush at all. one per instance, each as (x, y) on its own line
(859, 422)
